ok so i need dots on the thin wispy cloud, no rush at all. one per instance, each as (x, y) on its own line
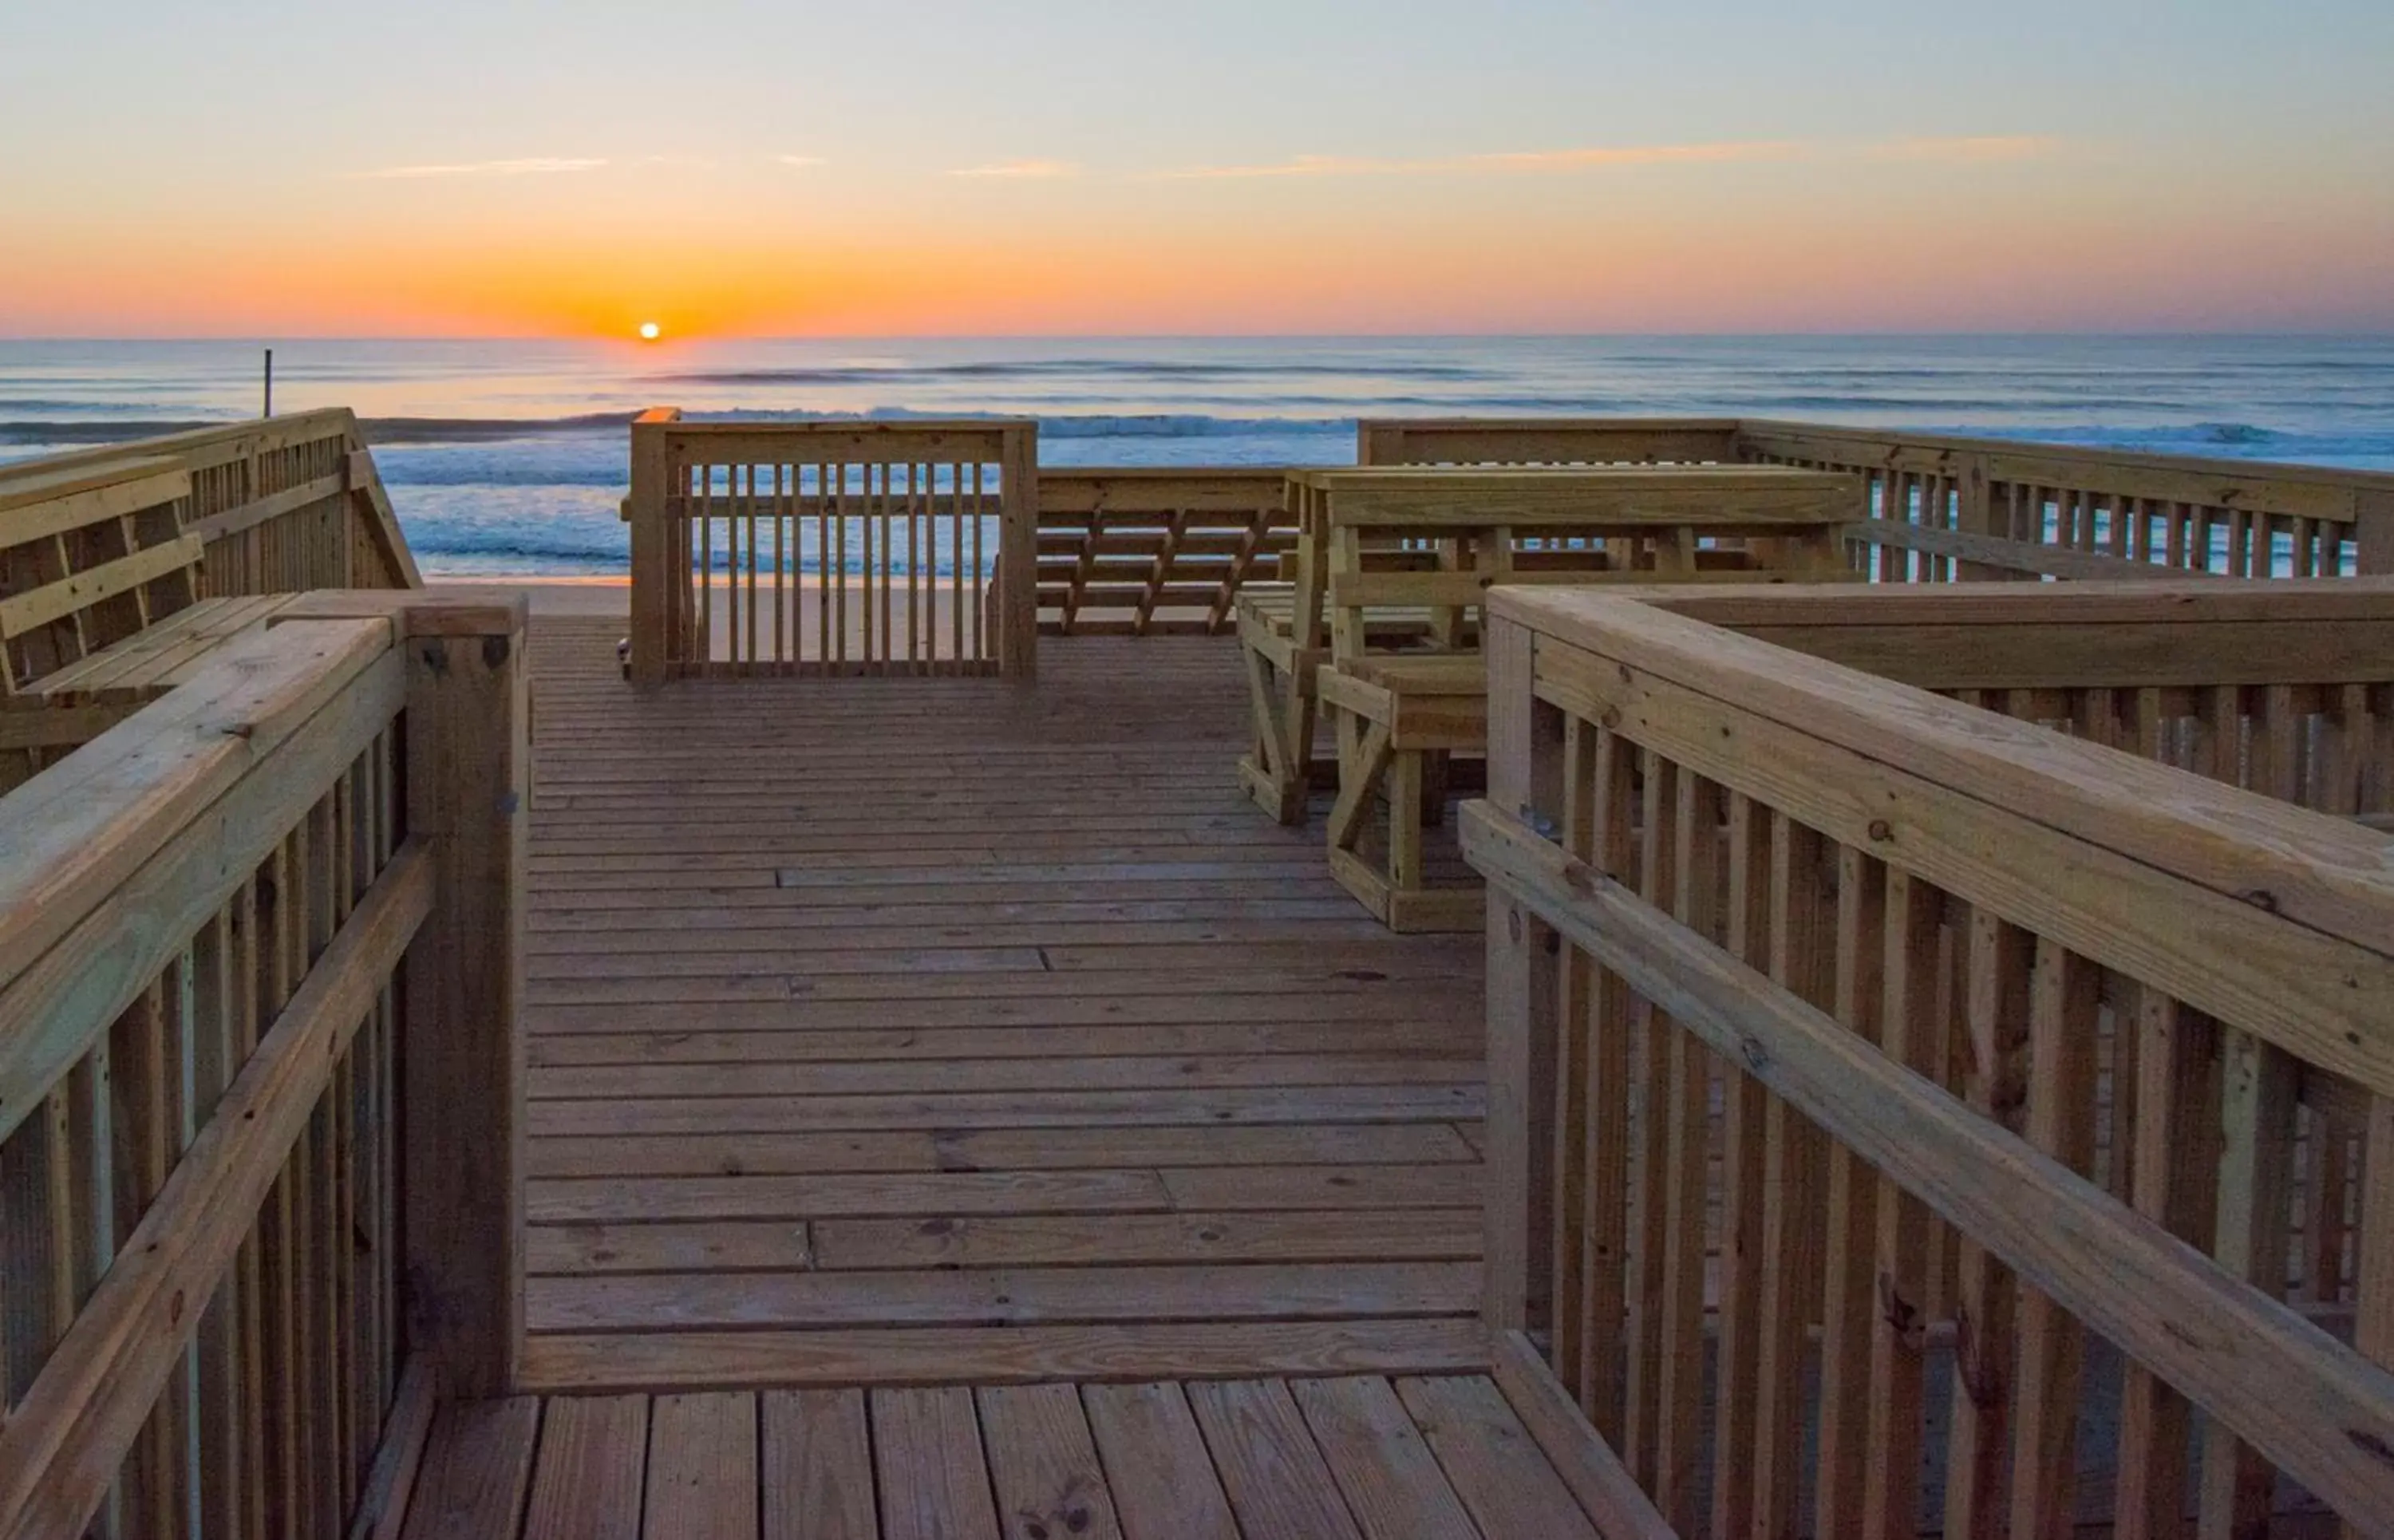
(534, 165)
(1026, 170)
(1577, 159)
(1600, 157)
(1989, 147)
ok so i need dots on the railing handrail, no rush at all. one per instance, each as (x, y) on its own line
(203, 449)
(2311, 894)
(2156, 1298)
(166, 782)
(1886, 1000)
(2024, 454)
(230, 885)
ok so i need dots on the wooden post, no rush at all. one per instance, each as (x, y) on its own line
(2373, 531)
(1975, 514)
(652, 564)
(1524, 776)
(468, 796)
(1017, 548)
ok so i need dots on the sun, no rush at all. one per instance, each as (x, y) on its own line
(651, 331)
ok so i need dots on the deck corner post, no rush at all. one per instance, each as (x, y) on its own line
(2373, 533)
(468, 799)
(653, 567)
(1524, 770)
(1018, 547)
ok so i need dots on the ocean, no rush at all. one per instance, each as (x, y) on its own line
(508, 456)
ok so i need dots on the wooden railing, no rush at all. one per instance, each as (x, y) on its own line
(280, 506)
(1852, 1048)
(832, 548)
(2229, 518)
(258, 1078)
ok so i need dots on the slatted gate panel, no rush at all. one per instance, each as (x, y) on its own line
(830, 548)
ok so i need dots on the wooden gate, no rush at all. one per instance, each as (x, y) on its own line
(832, 548)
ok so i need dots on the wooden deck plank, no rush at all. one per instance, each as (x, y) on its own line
(1496, 1467)
(672, 1302)
(594, 1454)
(1001, 1150)
(701, 1480)
(1277, 1483)
(1391, 1481)
(890, 1031)
(1162, 1478)
(476, 1467)
(931, 1476)
(1044, 1464)
(818, 1467)
(948, 1355)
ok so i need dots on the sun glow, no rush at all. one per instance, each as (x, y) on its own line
(651, 331)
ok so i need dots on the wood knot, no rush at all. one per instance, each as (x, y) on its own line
(1881, 831)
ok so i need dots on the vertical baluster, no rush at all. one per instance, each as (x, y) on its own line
(1910, 976)
(2062, 1006)
(839, 532)
(278, 1363)
(1995, 1011)
(1642, 1439)
(2175, 1185)
(1848, 1285)
(1738, 1393)
(1571, 1119)
(981, 650)
(746, 634)
(1802, 931)
(1601, 814)
(785, 514)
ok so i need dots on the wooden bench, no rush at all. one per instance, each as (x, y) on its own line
(1284, 629)
(100, 606)
(1406, 699)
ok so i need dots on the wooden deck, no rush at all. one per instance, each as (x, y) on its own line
(907, 1031)
(1441, 1456)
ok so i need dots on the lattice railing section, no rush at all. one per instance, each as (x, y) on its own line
(1894, 1108)
(795, 548)
(239, 934)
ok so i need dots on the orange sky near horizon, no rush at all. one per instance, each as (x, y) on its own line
(1426, 181)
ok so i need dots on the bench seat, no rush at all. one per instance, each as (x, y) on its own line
(76, 704)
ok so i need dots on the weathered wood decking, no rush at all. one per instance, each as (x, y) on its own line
(928, 1030)
(1310, 1460)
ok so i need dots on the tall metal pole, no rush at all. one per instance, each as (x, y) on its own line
(269, 382)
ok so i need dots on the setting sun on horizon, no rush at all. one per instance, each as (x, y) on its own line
(1534, 166)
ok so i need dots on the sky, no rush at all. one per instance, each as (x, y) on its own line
(724, 167)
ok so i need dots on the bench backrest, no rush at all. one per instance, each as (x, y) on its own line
(1439, 539)
(91, 556)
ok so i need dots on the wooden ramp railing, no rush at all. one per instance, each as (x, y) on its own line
(1894, 1105)
(832, 548)
(120, 566)
(257, 1073)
